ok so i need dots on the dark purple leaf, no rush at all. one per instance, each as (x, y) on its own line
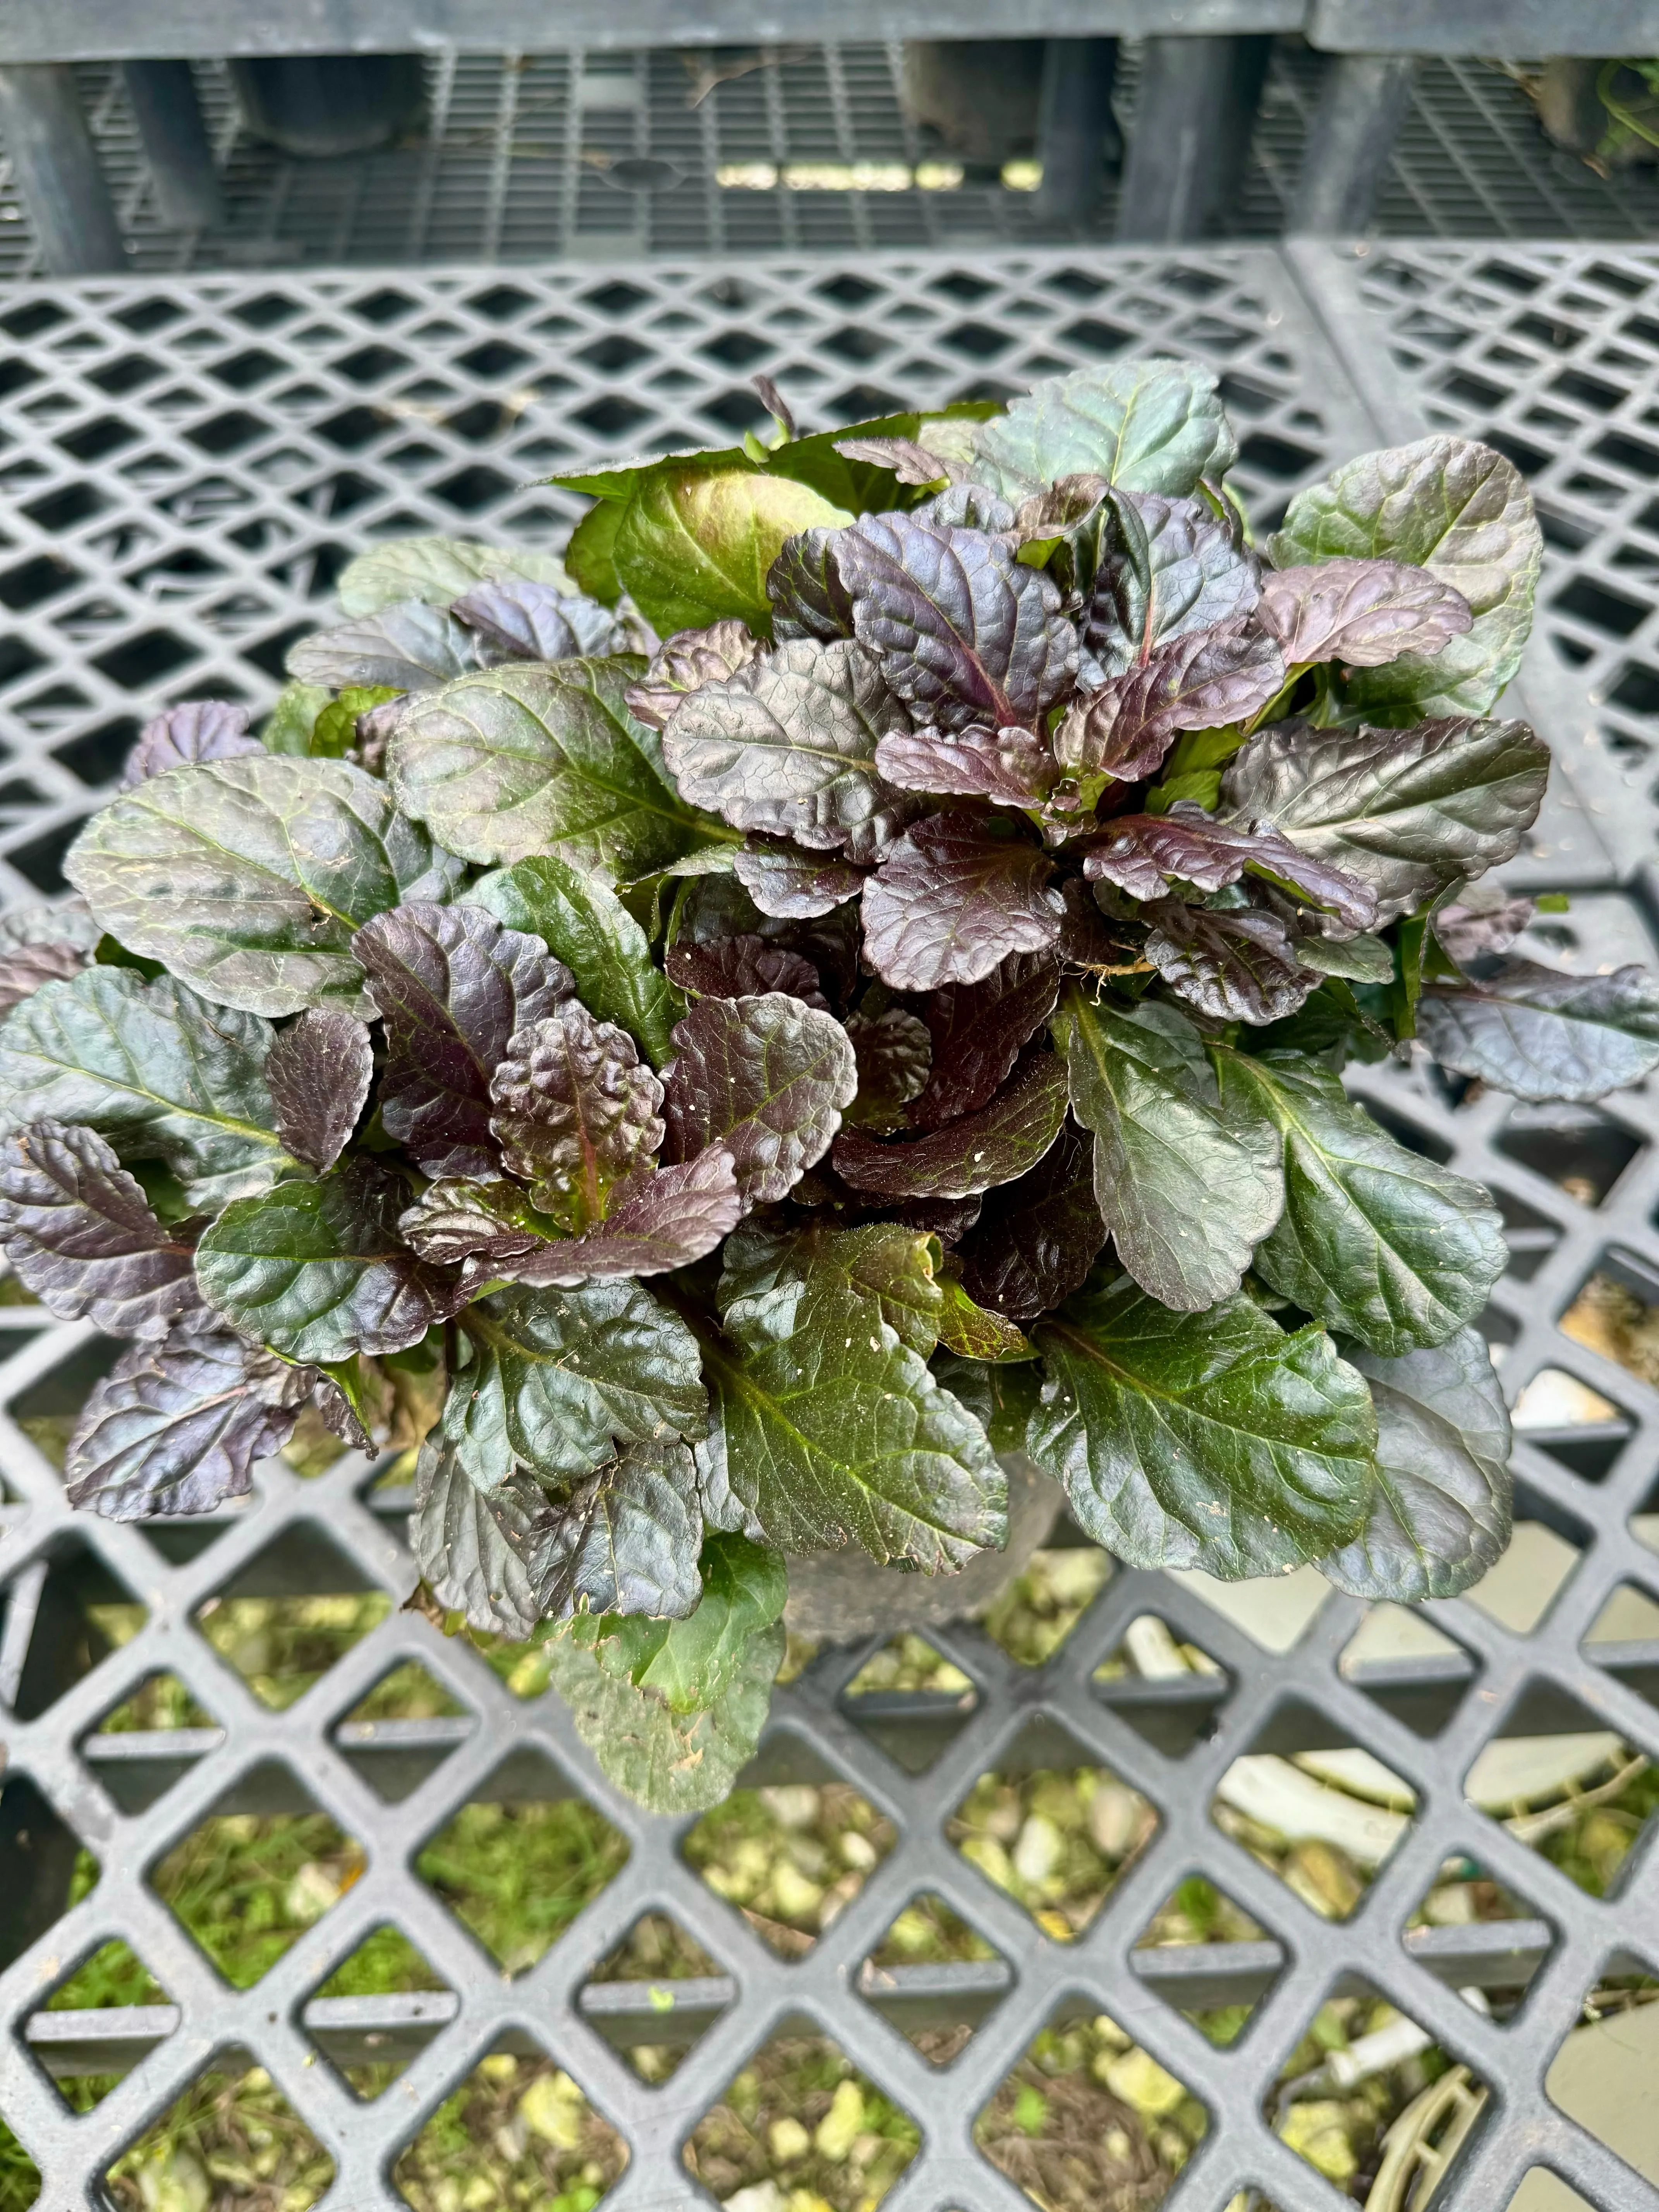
(744, 968)
(791, 885)
(625, 1540)
(42, 944)
(950, 1220)
(319, 1069)
(523, 620)
(804, 587)
(893, 1054)
(453, 987)
(454, 1221)
(1010, 766)
(953, 899)
(373, 732)
(966, 507)
(965, 633)
(788, 745)
(1088, 939)
(910, 463)
(978, 1030)
(1236, 964)
(576, 1111)
(201, 730)
(1167, 568)
(1141, 852)
(340, 1416)
(1196, 681)
(1002, 1141)
(1361, 613)
(685, 662)
(79, 1232)
(1539, 1034)
(178, 1427)
(666, 1220)
(1484, 921)
(1037, 1238)
(468, 1543)
(405, 645)
(768, 1078)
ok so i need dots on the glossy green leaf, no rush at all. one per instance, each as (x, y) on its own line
(888, 1261)
(1377, 1241)
(287, 729)
(691, 1664)
(695, 543)
(1212, 1440)
(1144, 425)
(582, 921)
(623, 1540)
(248, 877)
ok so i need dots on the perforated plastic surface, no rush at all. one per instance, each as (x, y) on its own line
(252, 436)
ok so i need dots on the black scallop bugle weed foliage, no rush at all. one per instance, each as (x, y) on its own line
(847, 976)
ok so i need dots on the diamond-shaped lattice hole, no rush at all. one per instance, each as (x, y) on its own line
(232, 2138)
(1581, 1151)
(801, 2117)
(1052, 1828)
(44, 1861)
(1168, 1691)
(1207, 1957)
(1569, 1789)
(1087, 2118)
(911, 1700)
(280, 1645)
(1540, 2190)
(378, 2010)
(48, 1410)
(1603, 2074)
(1479, 1937)
(790, 1856)
(1323, 1820)
(1034, 1616)
(1616, 1315)
(1576, 1425)
(521, 1859)
(1624, 1637)
(402, 1731)
(1367, 2083)
(84, 2064)
(1523, 1584)
(122, 1750)
(519, 2128)
(1417, 1673)
(935, 1978)
(656, 1996)
(65, 1614)
(248, 1884)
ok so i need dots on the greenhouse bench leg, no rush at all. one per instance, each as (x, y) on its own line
(56, 165)
(1362, 104)
(169, 119)
(1194, 110)
(1077, 133)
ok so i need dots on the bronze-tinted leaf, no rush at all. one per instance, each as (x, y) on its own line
(893, 1054)
(624, 1541)
(1363, 613)
(405, 646)
(766, 1076)
(319, 1069)
(200, 729)
(1003, 1141)
(1010, 766)
(1142, 852)
(793, 885)
(1238, 963)
(41, 945)
(685, 662)
(953, 899)
(1196, 681)
(79, 1233)
(576, 1111)
(520, 618)
(745, 967)
(1162, 569)
(977, 1031)
(1037, 1238)
(469, 1543)
(661, 1221)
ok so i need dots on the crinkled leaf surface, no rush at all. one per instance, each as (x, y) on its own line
(317, 1270)
(458, 1220)
(692, 1664)
(200, 729)
(176, 1427)
(1186, 1192)
(686, 661)
(788, 745)
(580, 920)
(1001, 1142)
(1141, 852)
(768, 1078)
(1539, 1034)
(1147, 425)
(576, 1112)
(1165, 568)
(1361, 613)
(793, 885)
(671, 1762)
(452, 987)
(1462, 512)
(521, 619)
(1010, 766)
(155, 1069)
(659, 1223)
(893, 1054)
(1238, 963)
(695, 543)
(625, 1539)
(43, 945)
(827, 1430)
(559, 1378)
(1485, 919)
(248, 877)
(469, 1544)
(953, 899)
(977, 1031)
(965, 633)
(1377, 1241)
(745, 967)
(1442, 1512)
(405, 646)
(1197, 681)
(525, 760)
(319, 1069)
(764, 1270)
(1408, 811)
(1211, 1440)
(438, 570)
(1037, 1238)
(79, 1233)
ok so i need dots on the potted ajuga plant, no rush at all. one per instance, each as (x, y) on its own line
(827, 1002)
